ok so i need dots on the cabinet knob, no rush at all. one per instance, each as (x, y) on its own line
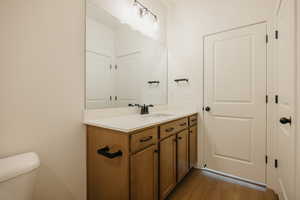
(285, 120)
(207, 108)
(183, 124)
(146, 139)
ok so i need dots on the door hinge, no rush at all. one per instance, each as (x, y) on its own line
(276, 163)
(267, 98)
(267, 38)
(266, 159)
(276, 99)
(276, 34)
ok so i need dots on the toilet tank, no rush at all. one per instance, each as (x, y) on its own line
(17, 176)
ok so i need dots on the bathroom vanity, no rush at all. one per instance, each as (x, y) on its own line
(139, 157)
(132, 156)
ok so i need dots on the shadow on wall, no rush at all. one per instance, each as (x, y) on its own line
(58, 191)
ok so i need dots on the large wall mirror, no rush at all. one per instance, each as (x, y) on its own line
(123, 66)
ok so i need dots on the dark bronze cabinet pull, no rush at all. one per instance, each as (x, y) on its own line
(169, 129)
(181, 79)
(146, 139)
(183, 124)
(179, 138)
(105, 152)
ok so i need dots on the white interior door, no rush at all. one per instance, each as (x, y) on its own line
(99, 82)
(128, 79)
(286, 99)
(100, 54)
(235, 92)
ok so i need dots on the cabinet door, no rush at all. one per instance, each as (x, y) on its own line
(182, 154)
(193, 146)
(167, 166)
(144, 174)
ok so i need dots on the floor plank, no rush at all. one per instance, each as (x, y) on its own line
(199, 185)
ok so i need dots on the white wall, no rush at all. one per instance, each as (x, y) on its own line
(42, 91)
(188, 22)
(298, 101)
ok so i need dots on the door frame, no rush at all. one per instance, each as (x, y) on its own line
(271, 173)
(273, 181)
(271, 92)
(269, 87)
(298, 98)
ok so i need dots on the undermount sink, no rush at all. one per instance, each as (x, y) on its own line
(157, 115)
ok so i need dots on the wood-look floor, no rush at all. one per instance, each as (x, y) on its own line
(199, 185)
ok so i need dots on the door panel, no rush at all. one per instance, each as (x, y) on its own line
(144, 175)
(167, 169)
(128, 88)
(235, 91)
(193, 146)
(182, 154)
(99, 83)
(286, 104)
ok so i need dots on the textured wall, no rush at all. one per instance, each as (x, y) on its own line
(42, 91)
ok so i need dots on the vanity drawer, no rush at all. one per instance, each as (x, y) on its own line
(173, 127)
(182, 124)
(193, 120)
(143, 139)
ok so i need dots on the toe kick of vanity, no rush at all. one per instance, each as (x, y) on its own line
(144, 164)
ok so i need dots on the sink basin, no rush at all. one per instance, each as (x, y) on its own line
(157, 115)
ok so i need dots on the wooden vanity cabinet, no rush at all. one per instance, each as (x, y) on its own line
(182, 154)
(167, 163)
(141, 165)
(107, 178)
(144, 174)
(193, 146)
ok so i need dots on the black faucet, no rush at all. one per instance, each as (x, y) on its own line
(144, 108)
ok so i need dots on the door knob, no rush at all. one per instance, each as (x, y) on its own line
(285, 120)
(207, 108)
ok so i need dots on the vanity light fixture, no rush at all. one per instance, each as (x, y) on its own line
(144, 11)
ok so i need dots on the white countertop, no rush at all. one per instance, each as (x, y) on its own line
(133, 122)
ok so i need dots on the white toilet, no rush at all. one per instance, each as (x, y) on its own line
(17, 176)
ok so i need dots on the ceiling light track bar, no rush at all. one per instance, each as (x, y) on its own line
(136, 2)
